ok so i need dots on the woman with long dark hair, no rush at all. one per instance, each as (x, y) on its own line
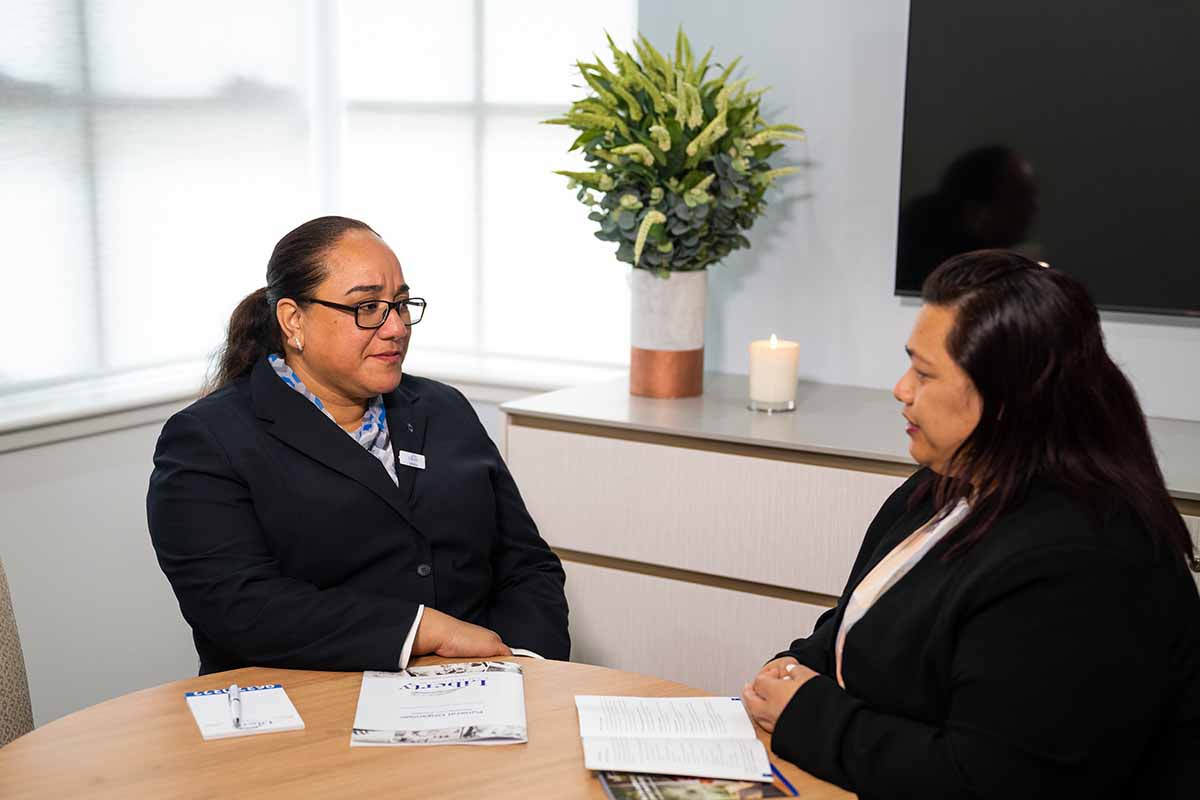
(322, 509)
(1020, 620)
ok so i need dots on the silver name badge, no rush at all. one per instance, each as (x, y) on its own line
(415, 460)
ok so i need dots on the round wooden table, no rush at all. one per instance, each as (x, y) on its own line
(146, 744)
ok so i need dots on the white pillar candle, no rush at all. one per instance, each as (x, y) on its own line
(774, 369)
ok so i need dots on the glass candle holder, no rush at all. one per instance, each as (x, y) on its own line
(774, 370)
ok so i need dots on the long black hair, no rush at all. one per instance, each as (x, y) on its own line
(1054, 405)
(295, 269)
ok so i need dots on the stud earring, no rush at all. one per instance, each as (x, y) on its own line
(296, 341)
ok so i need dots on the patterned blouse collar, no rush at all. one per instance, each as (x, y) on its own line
(372, 434)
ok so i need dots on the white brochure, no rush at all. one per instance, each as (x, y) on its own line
(705, 737)
(477, 702)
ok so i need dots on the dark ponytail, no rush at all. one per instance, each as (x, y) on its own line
(295, 269)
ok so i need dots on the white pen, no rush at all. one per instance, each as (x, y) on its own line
(235, 704)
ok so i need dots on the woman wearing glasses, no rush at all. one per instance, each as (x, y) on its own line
(319, 509)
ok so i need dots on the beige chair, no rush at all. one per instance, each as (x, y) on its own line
(16, 714)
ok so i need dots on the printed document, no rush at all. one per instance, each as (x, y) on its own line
(477, 702)
(707, 737)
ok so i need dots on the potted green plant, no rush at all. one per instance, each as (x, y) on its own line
(678, 169)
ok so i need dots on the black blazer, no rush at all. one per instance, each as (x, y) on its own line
(1058, 658)
(288, 545)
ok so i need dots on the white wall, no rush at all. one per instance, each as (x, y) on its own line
(489, 415)
(822, 263)
(96, 617)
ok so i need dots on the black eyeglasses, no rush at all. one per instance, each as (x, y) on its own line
(373, 313)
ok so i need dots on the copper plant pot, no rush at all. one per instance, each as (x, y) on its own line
(666, 373)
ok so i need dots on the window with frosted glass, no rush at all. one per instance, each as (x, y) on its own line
(152, 153)
(44, 216)
(201, 163)
(551, 289)
(443, 152)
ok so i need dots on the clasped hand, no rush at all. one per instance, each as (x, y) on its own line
(772, 689)
(440, 634)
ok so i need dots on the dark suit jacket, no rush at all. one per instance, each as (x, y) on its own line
(288, 545)
(1060, 657)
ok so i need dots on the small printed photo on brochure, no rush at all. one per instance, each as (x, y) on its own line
(502, 666)
(639, 786)
(432, 736)
(462, 734)
(463, 668)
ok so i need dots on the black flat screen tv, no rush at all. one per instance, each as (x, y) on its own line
(1068, 131)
